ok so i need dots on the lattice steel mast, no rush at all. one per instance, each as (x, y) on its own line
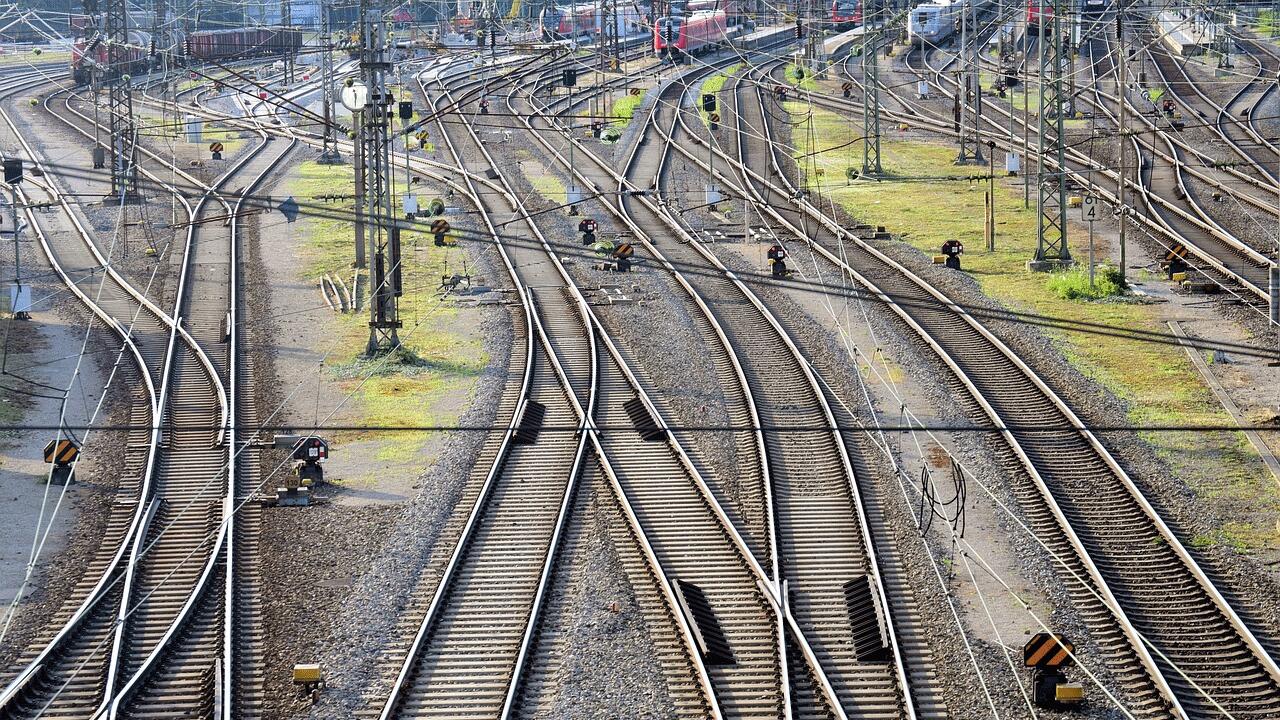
(870, 89)
(1051, 227)
(290, 60)
(969, 92)
(380, 224)
(329, 154)
(159, 27)
(123, 150)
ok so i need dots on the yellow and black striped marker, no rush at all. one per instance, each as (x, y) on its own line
(1047, 650)
(61, 452)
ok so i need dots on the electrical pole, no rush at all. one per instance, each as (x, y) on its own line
(975, 80)
(286, 19)
(20, 308)
(1273, 273)
(329, 153)
(123, 149)
(1026, 108)
(380, 224)
(611, 34)
(357, 161)
(1122, 88)
(158, 32)
(810, 33)
(870, 90)
(1051, 227)
(1221, 35)
(966, 98)
(1069, 46)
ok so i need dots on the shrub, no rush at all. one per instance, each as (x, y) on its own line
(1073, 284)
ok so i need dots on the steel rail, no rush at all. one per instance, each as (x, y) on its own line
(533, 323)
(1268, 89)
(212, 560)
(426, 166)
(1181, 168)
(765, 582)
(600, 333)
(1200, 220)
(943, 354)
(586, 416)
(1162, 58)
(223, 545)
(1177, 147)
(590, 318)
(1155, 225)
(10, 695)
(1222, 118)
(771, 554)
(872, 561)
(155, 309)
(98, 591)
(230, 702)
(626, 188)
(648, 549)
(143, 513)
(1164, 532)
(111, 699)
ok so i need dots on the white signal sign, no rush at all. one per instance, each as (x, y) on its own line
(1089, 208)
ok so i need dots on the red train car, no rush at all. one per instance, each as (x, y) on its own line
(570, 22)
(681, 37)
(132, 60)
(1038, 13)
(242, 42)
(201, 46)
(846, 13)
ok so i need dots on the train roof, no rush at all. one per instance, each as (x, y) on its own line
(242, 29)
(936, 5)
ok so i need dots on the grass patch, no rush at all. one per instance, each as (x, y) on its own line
(1073, 284)
(930, 200)
(154, 125)
(801, 77)
(420, 384)
(32, 58)
(624, 109)
(1267, 23)
(546, 183)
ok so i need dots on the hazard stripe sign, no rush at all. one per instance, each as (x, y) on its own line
(1047, 650)
(61, 452)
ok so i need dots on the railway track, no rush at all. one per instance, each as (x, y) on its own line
(86, 618)
(1240, 137)
(563, 325)
(1140, 589)
(1062, 478)
(1161, 178)
(804, 493)
(1248, 100)
(169, 640)
(466, 647)
(1168, 222)
(816, 491)
(666, 502)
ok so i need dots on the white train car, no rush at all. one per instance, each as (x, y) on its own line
(934, 21)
